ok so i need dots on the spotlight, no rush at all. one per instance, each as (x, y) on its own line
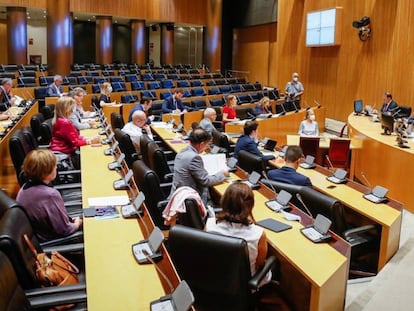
(364, 27)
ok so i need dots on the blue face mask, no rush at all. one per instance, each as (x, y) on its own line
(109, 89)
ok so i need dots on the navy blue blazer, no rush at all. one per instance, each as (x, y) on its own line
(289, 175)
(168, 105)
(245, 142)
(393, 106)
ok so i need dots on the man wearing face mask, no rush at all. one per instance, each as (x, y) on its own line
(249, 141)
(294, 89)
(309, 127)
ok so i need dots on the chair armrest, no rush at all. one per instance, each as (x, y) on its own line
(67, 186)
(69, 248)
(168, 177)
(260, 274)
(162, 204)
(54, 290)
(354, 231)
(47, 301)
(76, 237)
(70, 172)
(166, 186)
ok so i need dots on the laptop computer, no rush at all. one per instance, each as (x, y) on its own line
(281, 202)
(181, 299)
(134, 209)
(377, 195)
(318, 231)
(149, 248)
(309, 162)
(269, 144)
(339, 177)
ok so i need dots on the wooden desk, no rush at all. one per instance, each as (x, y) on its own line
(359, 210)
(313, 276)
(277, 128)
(114, 280)
(186, 118)
(173, 140)
(382, 161)
(5, 159)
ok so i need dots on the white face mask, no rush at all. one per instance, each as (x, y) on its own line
(295, 79)
(312, 117)
(109, 89)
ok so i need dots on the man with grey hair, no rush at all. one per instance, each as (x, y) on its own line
(294, 89)
(55, 89)
(207, 122)
(6, 96)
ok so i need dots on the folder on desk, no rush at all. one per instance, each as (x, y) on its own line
(273, 225)
(377, 195)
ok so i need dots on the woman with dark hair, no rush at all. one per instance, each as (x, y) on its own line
(237, 220)
(43, 203)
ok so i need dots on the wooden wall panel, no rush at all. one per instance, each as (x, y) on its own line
(3, 40)
(335, 76)
(251, 52)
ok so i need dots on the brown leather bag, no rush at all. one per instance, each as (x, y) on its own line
(53, 271)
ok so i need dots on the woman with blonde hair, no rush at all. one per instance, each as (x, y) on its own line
(43, 203)
(263, 107)
(65, 137)
(309, 127)
(105, 99)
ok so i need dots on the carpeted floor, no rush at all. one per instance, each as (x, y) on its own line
(391, 289)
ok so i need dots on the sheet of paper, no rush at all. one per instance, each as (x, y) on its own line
(214, 163)
(111, 200)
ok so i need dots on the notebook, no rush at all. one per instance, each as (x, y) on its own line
(339, 177)
(281, 202)
(273, 225)
(377, 195)
(309, 162)
(149, 248)
(180, 300)
(318, 232)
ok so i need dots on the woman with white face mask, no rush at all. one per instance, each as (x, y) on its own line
(309, 127)
(105, 99)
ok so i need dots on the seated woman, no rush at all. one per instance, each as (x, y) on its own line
(43, 203)
(65, 137)
(229, 111)
(309, 127)
(105, 99)
(263, 107)
(237, 220)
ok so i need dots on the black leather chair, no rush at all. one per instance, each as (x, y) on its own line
(13, 297)
(19, 148)
(222, 280)
(148, 182)
(157, 161)
(244, 113)
(126, 146)
(13, 225)
(250, 162)
(6, 202)
(404, 112)
(35, 122)
(144, 140)
(46, 131)
(117, 121)
(221, 140)
(309, 145)
(48, 111)
(192, 217)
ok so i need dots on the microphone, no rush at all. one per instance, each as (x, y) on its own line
(270, 183)
(316, 102)
(164, 276)
(366, 179)
(299, 197)
(331, 167)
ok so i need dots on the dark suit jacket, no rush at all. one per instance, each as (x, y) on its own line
(289, 175)
(245, 142)
(168, 105)
(391, 107)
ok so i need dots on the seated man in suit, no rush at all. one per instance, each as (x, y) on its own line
(6, 96)
(287, 174)
(137, 127)
(249, 141)
(389, 106)
(173, 104)
(189, 167)
(55, 89)
(207, 122)
(144, 105)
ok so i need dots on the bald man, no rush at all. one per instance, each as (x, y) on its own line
(209, 117)
(137, 127)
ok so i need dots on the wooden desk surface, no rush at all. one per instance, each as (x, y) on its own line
(385, 215)
(324, 268)
(382, 161)
(115, 281)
